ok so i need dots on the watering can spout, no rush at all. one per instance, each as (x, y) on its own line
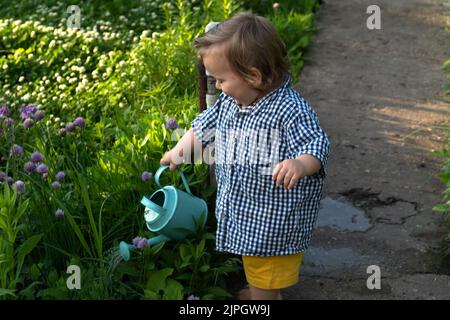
(157, 239)
(126, 248)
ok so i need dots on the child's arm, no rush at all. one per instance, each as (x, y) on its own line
(290, 171)
(174, 157)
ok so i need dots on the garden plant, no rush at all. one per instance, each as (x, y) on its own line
(85, 115)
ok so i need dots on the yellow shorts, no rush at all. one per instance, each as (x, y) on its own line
(275, 272)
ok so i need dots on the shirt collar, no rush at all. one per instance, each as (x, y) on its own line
(258, 105)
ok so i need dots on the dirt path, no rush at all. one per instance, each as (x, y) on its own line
(379, 95)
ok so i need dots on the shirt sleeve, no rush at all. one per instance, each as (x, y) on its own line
(305, 136)
(204, 125)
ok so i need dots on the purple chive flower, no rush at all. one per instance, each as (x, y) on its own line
(17, 150)
(56, 185)
(37, 157)
(39, 115)
(29, 167)
(146, 176)
(19, 186)
(79, 122)
(70, 127)
(142, 243)
(10, 180)
(4, 111)
(42, 168)
(59, 213)
(8, 122)
(136, 241)
(60, 175)
(27, 111)
(2, 176)
(28, 123)
(172, 124)
(192, 297)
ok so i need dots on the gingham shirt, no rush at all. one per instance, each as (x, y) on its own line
(253, 216)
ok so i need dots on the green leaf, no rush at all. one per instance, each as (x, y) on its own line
(219, 292)
(157, 280)
(151, 295)
(442, 208)
(25, 249)
(173, 291)
(4, 292)
(204, 268)
(199, 250)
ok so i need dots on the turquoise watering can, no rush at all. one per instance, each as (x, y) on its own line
(169, 212)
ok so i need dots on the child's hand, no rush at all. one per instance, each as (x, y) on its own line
(171, 157)
(289, 172)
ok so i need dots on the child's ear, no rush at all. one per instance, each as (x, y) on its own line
(256, 77)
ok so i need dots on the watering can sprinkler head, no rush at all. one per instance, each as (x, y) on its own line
(125, 249)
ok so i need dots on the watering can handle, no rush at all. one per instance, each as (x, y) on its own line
(164, 167)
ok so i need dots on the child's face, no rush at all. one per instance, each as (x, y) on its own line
(228, 81)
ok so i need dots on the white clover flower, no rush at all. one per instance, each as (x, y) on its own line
(41, 89)
(19, 88)
(32, 34)
(21, 78)
(47, 82)
(59, 79)
(5, 66)
(52, 44)
(62, 87)
(26, 97)
(109, 70)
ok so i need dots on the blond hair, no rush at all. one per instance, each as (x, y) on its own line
(251, 42)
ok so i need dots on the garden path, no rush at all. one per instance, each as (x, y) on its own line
(379, 95)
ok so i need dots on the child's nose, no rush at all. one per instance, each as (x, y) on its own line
(218, 86)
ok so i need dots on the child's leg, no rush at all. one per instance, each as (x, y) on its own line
(264, 294)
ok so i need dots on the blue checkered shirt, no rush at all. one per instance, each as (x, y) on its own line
(253, 216)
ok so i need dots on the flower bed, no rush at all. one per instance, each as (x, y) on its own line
(85, 116)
